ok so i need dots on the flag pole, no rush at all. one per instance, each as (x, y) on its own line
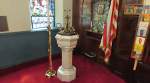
(136, 62)
(50, 72)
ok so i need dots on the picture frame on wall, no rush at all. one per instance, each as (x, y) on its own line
(134, 1)
(128, 10)
(139, 9)
(143, 29)
(139, 45)
(100, 8)
(85, 6)
(142, 32)
(133, 9)
(147, 9)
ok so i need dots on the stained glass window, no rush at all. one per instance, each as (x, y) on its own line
(100, 13)
(39, 14)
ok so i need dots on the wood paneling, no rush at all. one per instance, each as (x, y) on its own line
(3, 23)
(120, 61)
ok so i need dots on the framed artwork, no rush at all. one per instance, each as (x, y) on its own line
(93, 14)
(133, 9)
(3, 23)
(85, 6)
(139, 45)
(139, 9)
(134, 1)
(140, 38)
(147, 9)
(99, 6)
(142, 32)
(143, 29)
(128, 9)
(99, 15)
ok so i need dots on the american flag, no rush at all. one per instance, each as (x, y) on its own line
(110, 27)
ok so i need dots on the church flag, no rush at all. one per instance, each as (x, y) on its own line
(110, 27)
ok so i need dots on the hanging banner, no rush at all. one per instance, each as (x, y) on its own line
(141, 34)
(139, 42)
(140, 38)
(142, 30)
(139, 45)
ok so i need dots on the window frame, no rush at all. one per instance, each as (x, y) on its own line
(42, 20)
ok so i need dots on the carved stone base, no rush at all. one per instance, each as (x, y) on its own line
(66, 75)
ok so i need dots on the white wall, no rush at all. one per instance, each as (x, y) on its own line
(60, 6)
(67, 4)
(59, 11)
(17, 12)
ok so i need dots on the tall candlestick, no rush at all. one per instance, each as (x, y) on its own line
(50, 72)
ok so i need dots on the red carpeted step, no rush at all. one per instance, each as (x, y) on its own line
(87, 72)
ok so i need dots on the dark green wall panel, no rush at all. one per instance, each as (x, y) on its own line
(19, 47)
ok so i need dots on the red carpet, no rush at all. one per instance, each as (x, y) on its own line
(87, 72)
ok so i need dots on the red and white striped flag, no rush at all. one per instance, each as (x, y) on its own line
(110, 27)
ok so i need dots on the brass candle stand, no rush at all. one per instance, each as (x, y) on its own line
(50, 72)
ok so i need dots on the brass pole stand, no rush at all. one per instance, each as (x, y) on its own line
(50, 72)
